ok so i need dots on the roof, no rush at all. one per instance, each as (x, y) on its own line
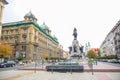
(30, 15)
(44, 26)
(16, 24)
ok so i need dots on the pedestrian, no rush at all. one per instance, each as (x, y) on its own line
(96, 61)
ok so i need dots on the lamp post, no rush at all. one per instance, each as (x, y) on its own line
(34, 57)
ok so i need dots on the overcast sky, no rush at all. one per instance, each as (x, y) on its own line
(92, 18)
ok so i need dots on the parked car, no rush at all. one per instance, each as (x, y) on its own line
(8, 64)
(119, 61)
(113, 61)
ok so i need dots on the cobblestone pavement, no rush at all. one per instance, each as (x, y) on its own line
(43, 75)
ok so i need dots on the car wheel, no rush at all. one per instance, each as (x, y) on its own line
(4, 66)
(12, 65)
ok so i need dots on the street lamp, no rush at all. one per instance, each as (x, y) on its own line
(34, 58)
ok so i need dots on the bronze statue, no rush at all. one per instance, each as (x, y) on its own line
(75, 33)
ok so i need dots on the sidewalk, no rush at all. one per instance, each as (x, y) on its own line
(102, 67)
(44, 75)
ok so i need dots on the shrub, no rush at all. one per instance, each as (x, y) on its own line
(20, 58)
(107, 57)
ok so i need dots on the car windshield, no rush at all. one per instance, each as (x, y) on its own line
(10, 62)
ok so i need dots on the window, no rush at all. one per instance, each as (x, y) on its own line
(2, 37)
(16, 31)
(35, 48)
(24, 40)
(7, 32)
(25, 30)
(6, 37)
(118, 40)
(11, 32)
(2, 32)
(24, 48)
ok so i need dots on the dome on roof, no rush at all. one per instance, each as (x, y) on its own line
(55, 37)
(44, 26)
(30, 15)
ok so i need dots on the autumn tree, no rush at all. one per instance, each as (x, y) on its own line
(91, 54)
(5, 49)
(44, 55)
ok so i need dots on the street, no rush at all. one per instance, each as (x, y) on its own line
(113, 64)
(23, 66)
(16, 67)
(5, 73)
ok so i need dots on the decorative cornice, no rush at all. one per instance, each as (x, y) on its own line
(19, 23)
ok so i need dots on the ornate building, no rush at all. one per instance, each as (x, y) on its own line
(2, 3)
(29, 39)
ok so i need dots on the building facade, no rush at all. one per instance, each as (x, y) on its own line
(30, 40)
(66, 54)
(111, 44)
(2, 3)
(117, 39)
(108, 47)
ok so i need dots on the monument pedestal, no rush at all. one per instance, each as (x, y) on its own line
(75, 53)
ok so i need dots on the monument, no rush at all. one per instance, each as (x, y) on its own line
(75, 50)
(71, 64)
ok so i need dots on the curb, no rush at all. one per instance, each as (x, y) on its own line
(102, 70)
(85, 70)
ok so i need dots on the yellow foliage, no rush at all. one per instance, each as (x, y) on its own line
(5, 49)
(91, 54)
(44, 55)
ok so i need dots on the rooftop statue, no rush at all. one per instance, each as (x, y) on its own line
(75, 33)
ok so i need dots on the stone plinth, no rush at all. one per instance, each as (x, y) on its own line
(66, 67)
(75, 51)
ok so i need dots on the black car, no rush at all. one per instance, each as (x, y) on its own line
(8, 64)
